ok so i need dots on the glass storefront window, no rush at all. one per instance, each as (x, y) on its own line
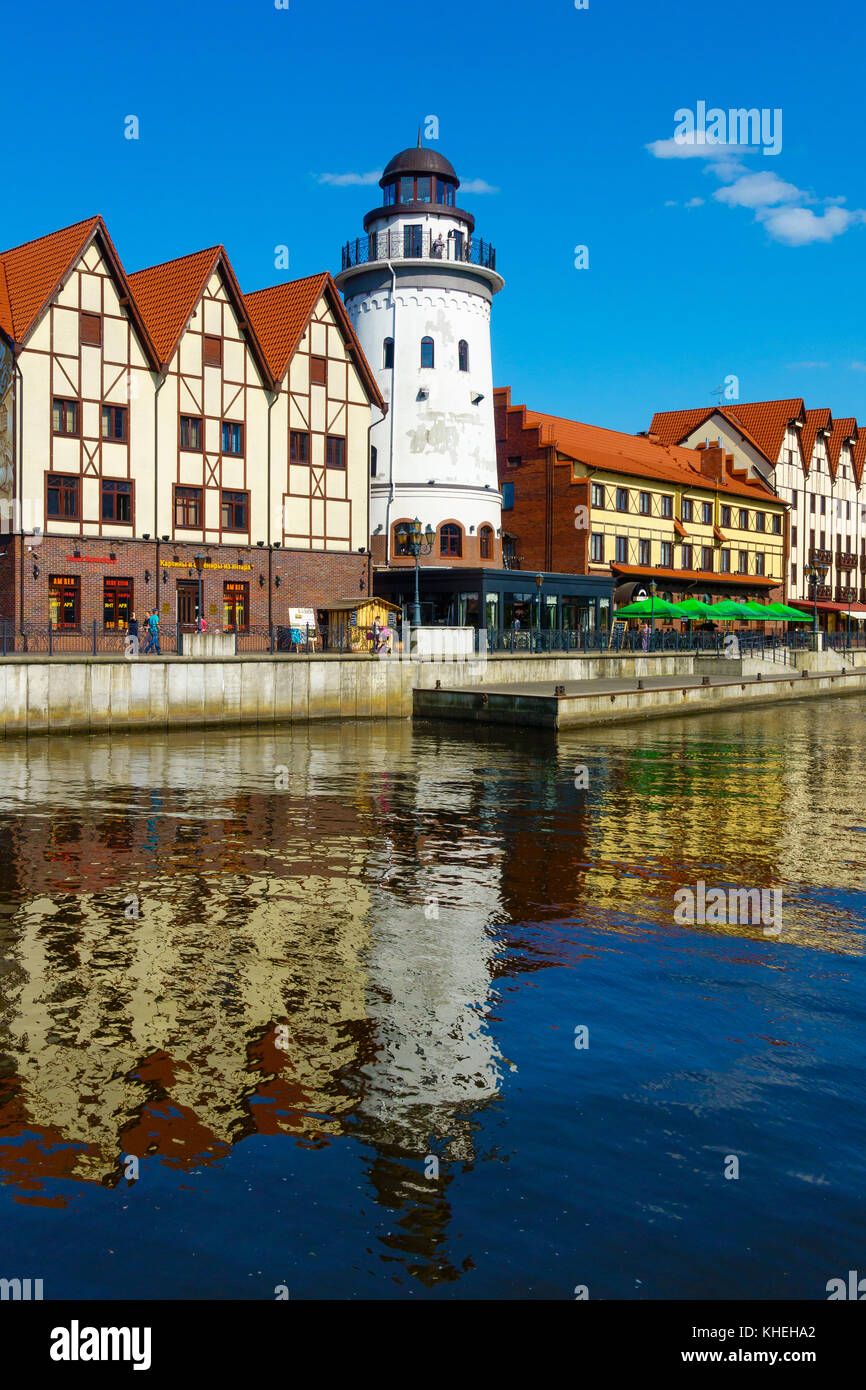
(116, 602)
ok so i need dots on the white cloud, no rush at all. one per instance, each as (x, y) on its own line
(757, 191)
(777, 205)
(350, 180)
(801, 226)
(694, 203)
(476, 186)
(688, 148)
(858, 366)
(806, 366)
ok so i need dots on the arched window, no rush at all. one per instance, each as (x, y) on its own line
(388, 353)
(485, 542)
(401, 528)
(450, 540)
(426, 352)
(463, 355)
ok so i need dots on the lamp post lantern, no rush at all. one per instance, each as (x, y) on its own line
(199, 560)
(415, 542)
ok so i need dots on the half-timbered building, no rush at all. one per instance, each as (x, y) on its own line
(152, 418)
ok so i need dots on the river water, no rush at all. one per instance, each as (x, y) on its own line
(397, 1011)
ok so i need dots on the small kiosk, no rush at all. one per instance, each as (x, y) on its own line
(351, 624)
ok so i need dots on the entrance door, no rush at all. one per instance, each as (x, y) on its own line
(187, 603)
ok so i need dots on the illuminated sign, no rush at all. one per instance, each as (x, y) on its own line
(190, 565)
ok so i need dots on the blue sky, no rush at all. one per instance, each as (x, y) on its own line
(244, 109)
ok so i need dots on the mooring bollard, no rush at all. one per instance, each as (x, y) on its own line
(705, 680)
(438, 685)
(560, 690)
(640, 685)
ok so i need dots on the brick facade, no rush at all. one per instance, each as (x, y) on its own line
(277, 580)
(541, 523)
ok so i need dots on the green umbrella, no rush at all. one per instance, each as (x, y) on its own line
(728, 610)
(695, 608)
(646, 607)
(758, 610)
(791, 615)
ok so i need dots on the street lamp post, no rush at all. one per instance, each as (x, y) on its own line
(199, 560)
(539, 583)
(653, 587)
(416, 543)
(815, 575)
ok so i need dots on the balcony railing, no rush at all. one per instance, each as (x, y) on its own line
(820, 557)
(414, 243)
(845, 595)
(846, 560)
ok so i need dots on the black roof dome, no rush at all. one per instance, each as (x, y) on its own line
(418, 160)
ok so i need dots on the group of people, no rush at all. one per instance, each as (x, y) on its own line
(151, 627)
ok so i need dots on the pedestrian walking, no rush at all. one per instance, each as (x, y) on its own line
(153, 633)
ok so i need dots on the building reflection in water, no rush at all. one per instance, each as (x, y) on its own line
(190, 956)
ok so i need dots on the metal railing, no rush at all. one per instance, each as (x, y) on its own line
(408, 243)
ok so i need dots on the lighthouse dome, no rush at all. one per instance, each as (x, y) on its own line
(419, 160)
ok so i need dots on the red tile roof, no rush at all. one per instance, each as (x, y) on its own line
(859, 455)
(280, 314)
(630, 453)
(34, 271)
(819, 419)
(6, 324)
(166, 294)
(763, 422)
(843, 429)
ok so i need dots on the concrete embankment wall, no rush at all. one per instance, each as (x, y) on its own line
(524, 710)
(39, 695)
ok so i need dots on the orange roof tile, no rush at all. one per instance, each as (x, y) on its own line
(34, 271)
(629, 453)
(767, 421)
(280, 314)
(819, 419)
(843, 429)
(166, 294)
(859, 452)
(762, 422)
(5, 306)
(31, 275)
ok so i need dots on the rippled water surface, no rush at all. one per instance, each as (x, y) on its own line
(320, 987)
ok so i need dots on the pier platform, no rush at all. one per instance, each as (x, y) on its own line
(546, 704)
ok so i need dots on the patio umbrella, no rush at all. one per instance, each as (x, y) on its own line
(790, 615)
(727, 611)
(695, 608)
(759, 610)
(645, 607)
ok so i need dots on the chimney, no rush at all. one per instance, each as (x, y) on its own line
(712, 461)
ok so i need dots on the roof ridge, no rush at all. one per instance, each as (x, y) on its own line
(282, 284)
(58, 231)
(160, 265)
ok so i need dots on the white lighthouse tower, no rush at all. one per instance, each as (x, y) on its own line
(418, 287)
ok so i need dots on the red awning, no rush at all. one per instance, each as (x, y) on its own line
(808, 606)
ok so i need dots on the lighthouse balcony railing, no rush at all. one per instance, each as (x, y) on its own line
(413, 243)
